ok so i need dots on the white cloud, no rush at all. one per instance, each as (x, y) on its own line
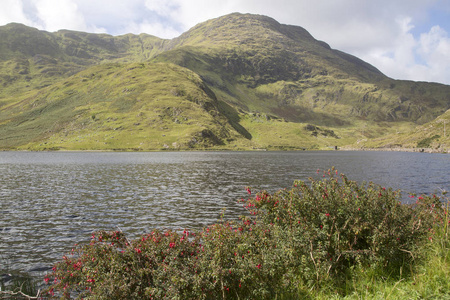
(189, 13)
(426, 58)
(434, 47)
(62, 14)
(156, 29)
(13, 11)
(163, 8)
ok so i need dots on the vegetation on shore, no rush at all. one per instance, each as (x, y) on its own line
(326, 239)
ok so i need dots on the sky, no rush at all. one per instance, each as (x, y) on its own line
(405, 39)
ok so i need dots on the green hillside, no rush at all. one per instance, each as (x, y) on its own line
(235, 82)
(31, 59)
(116, 106)
(432, 136)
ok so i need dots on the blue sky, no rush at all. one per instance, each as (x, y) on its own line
(405, 39)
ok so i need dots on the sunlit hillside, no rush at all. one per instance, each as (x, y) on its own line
(235, 82)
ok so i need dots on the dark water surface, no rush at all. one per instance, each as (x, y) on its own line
(52, 200)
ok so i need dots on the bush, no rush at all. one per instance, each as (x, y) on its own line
(426, 142)
(327, 227)
(309, 236)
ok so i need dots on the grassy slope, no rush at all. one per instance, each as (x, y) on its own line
(31, 59)
(111, 107)
(426, 278)
(434, 135)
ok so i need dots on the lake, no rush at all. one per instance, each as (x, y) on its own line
(52, 200)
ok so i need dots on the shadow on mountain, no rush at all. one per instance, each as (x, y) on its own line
(233, 119)
(303, 115)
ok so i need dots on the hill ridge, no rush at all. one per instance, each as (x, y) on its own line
(263, 85)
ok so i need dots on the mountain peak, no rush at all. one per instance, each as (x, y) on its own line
(238, 28)
(263, 39)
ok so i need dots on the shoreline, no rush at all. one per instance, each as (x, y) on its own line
(344, 148)
(386, 149)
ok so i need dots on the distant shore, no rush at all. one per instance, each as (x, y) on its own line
(344, 148)
(398, 149)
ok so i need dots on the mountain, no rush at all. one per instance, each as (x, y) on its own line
(236, 82)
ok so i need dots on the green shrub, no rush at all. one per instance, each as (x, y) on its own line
(309, 237)
(327, 227)
(426, 142)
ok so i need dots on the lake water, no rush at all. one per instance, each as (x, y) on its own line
(52, 200)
